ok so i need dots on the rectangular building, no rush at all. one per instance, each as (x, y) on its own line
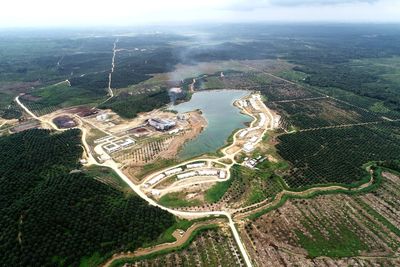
(161, 124)
(195, 165)
(187, 175)
(173, 171)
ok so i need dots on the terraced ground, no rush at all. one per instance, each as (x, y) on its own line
(361, 230)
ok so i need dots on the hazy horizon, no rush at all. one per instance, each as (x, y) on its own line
(74, 13)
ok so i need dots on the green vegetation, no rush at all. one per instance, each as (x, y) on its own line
(11, 112)
(52, 216)
(167, 236)
(373, 78)
(343, 243)
(247, 186)
(217, 191)
(213, 247)
(177, 199)
(379, 217)
(155, 166)
(337, 155)
(59, 96)
(129, 106)
(322, 113)
(391, 164)
(377, 182)
(109, 177)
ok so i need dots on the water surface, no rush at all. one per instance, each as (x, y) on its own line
(222, 118)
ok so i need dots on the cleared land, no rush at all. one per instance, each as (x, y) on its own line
(360, 230)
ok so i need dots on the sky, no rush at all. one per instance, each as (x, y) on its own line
(55, 13)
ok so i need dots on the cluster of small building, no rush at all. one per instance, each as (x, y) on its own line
(180, 174)
(250, 144)
(250, 102)
(252, 163)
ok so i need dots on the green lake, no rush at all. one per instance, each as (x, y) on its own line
(222, 118)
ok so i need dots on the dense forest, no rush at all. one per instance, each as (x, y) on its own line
(54, 214)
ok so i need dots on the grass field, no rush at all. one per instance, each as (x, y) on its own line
(175, 200)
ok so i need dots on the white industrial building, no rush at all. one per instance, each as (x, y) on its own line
(262, 121)
(243, 133)
(104, 139)
(187, 175)
(117, 145)
(155, 192)
(253, 139)
(102, 117)
(182, 116)
(222, 174)
(254, 104)
(243, 103)
(248, 147)
(195, 165)
(208, 172)
(156, 179)
(111, 147)
(127, 142)
(277, 119)
(162, 124)
(173, 171)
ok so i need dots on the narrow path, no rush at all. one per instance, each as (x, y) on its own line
(110, 91)
(300, 99)
(346, 125)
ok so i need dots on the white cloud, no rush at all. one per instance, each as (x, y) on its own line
(133, 12)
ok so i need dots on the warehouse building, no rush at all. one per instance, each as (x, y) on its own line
(173, 171)
(162, 124)
(155, 179)
(196, 165)
(208, 172)
(186, 175)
